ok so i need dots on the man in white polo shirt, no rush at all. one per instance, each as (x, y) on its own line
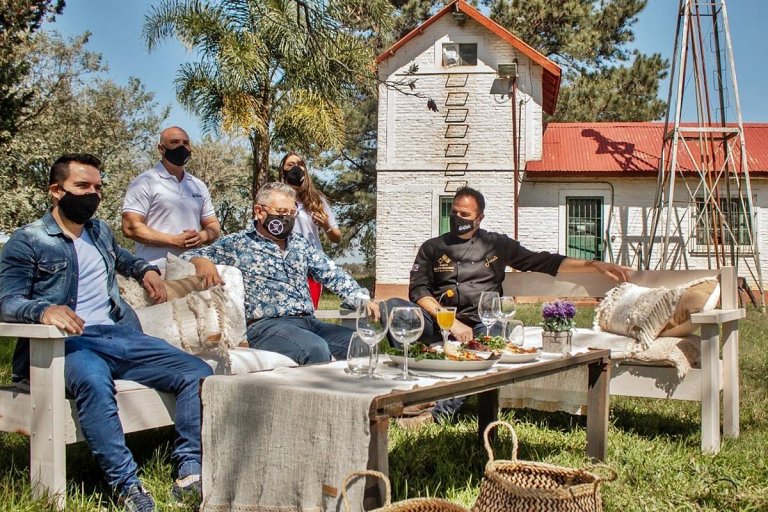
(166, 209)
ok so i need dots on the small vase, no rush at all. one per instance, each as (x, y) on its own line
(558, 342)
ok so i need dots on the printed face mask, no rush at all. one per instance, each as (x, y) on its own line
(178, 156)
(294, 176)
(461, 226)
(279, 226)
(79, 208)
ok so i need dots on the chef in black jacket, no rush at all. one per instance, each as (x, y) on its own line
(469, 260)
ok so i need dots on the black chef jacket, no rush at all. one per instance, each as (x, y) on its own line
(470, 267)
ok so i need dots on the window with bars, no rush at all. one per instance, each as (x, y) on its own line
(724, 223)
(584, 227)
(446, 203)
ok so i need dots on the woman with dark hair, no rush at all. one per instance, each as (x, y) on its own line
(314, 211)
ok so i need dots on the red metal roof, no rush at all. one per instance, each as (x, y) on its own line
(626, 149)
(550, 77)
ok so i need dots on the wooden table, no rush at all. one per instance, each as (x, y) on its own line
(487, 386)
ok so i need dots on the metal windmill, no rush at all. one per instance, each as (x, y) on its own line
(703, 208)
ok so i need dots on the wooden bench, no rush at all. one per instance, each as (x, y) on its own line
(50, 419)
(719, 366)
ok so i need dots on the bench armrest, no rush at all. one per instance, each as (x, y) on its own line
(718, 316)
(37, 331)
(335, 314)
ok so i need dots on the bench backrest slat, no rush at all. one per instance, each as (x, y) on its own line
(535, 284)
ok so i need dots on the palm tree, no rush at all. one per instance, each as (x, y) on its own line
(276, 71)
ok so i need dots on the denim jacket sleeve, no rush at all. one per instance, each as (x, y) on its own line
(17, 273)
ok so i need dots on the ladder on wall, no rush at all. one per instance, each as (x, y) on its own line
(456, 127)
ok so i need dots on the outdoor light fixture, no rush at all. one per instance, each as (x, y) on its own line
(459, 17)
(507, 70)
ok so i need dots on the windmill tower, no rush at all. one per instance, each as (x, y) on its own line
(703, 209)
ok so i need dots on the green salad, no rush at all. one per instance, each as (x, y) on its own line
(416, 351)
(493, 342)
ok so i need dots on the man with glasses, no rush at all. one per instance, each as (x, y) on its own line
(275, 264)
(166, 209)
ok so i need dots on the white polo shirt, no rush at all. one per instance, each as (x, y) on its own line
(169, 206)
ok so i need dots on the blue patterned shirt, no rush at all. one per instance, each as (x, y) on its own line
(276, 281)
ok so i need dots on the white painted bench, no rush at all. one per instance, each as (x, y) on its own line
(643, 380)
(50, 419)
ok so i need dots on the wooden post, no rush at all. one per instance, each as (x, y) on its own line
(731, 379)
(710, 388)
(378, 459)
(47, 446)
(487, 413)
(597, 409)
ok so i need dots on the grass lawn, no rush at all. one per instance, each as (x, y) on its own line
(652, 444)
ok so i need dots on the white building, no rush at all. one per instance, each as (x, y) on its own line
(585, 190)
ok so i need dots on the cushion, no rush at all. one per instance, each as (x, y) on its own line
(636, 311)
(137, 297)
(233, 288)
(697, 296)
(195, 323)
(247, 360)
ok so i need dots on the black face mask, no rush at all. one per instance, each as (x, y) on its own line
(178, 156)
(79, 208)
(294, 176)
(279, 226)
(461, 226)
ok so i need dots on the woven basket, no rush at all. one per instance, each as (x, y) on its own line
(412, 505)
(521, 486)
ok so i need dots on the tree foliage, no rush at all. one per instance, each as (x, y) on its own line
(75, 108)
(590, 41)
(224, 166)
(275, 72)
(18, 20)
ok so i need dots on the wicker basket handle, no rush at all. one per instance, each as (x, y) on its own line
(489, 448)
(612, 475)
(367, 472)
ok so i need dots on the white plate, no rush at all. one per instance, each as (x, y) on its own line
(444, 365)
(510, 357)
(507, 357)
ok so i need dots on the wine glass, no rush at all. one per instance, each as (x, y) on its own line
(488, 308)
(406, 325)
(446, 315)
(507, 309)
(372, 325)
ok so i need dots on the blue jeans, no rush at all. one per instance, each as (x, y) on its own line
(104, 353)
(305, 339)
(431, 334)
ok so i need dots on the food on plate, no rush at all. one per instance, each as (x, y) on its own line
(421, 351)
(496, 344)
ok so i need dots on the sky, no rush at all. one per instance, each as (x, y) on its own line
(116, 34)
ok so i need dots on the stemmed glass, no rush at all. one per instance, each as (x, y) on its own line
(489, 310)
(406, 325)
(372, 325)
(446, 315)
(507, 309)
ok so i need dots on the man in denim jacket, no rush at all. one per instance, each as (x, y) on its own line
(60, 270)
